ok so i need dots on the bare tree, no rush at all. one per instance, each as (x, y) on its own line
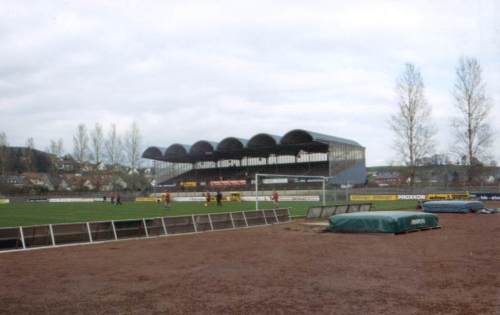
(81, 144)
(3, 152)
(56, 147)
(411, 124)
(133, 146)
(133, 150)
(3, 139)
(29, 155)
(30, 143)
(114, 152)
(114, 147)
(97, 140)
(473, 133)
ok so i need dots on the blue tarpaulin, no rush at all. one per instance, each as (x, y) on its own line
(452, 206)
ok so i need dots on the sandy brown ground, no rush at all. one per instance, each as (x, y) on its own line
(280, 270)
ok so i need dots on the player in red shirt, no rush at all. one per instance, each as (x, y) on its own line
(276, 198)
(166, 199)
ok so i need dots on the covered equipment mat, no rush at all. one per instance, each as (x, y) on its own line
(453, 206)
(383, 222)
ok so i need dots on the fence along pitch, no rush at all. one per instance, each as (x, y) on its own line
(90, 231)
(51, 231)
(22, 237)
(194, 223)
(276, 216)
(245, 217)
(232, 220)
(164, 226)
(114, 229)
(145, 227)
(210, 221)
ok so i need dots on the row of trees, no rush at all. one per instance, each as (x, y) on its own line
(413, 128)
(96, 147)
(92, 146)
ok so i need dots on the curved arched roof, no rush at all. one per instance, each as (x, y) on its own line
(300, 136)
(262, 145)
(263, 140)
(177, 153)
(154, 153)
(203, 149)
(231, 144)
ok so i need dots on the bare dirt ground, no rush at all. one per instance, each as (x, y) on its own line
(281, 269)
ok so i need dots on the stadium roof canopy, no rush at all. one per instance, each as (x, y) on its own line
(260, 145)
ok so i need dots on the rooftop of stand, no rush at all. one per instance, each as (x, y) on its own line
(260, 145)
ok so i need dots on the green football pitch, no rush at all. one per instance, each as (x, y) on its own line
(16, 214)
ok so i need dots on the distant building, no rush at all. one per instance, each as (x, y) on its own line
(17, 181)
(39, 180)
(388, 179)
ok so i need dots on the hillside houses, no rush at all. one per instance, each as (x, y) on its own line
(63, 182)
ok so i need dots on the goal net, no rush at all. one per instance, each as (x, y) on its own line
(290, 188)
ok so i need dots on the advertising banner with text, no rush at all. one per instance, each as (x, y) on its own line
(374, 197)
(227, 183)
(487, 196)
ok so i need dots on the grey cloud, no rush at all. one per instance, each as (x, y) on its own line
(187, 70)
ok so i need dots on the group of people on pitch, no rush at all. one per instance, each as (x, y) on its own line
(166, 199)
(115, 198)
(208, 198)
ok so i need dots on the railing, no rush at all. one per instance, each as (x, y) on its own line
(324, 212)
(53, 235)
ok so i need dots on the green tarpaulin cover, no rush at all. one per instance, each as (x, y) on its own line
(382, 222)
(452, 206)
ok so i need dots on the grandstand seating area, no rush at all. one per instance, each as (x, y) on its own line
(204, 176)
(212, 165)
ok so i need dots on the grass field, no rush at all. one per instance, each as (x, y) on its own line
(16, 214)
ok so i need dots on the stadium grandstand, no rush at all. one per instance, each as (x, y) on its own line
(233, 162)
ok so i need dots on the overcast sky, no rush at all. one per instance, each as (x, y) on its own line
(189, 70)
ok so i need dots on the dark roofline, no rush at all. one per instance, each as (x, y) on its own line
(291, 143)
(319, 137)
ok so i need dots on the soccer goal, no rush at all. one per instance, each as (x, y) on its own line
(284, 179)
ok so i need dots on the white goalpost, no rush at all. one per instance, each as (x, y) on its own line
(258, 175)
